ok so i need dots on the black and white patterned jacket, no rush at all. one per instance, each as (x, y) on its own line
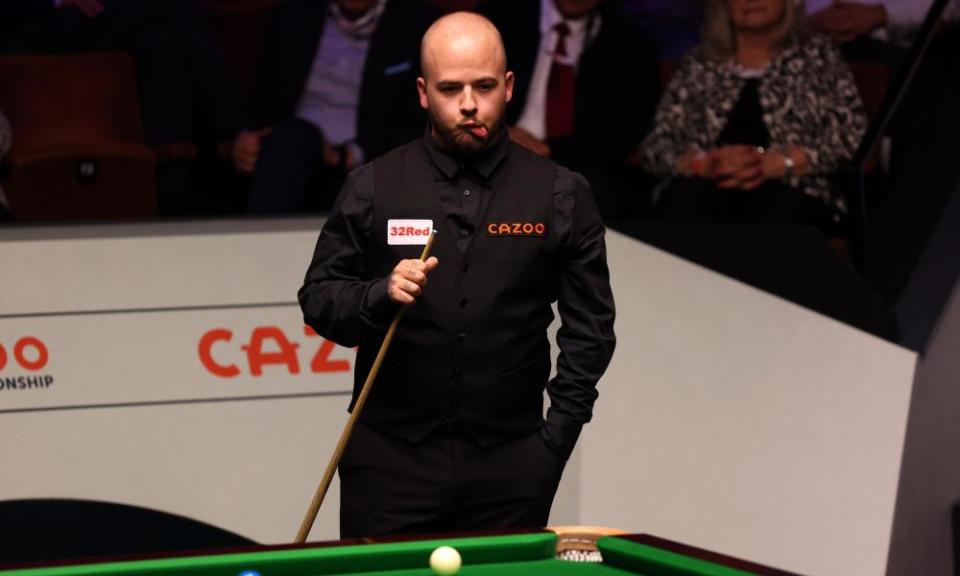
(808, 97)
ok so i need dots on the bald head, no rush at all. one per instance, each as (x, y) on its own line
(465, 85)
(460, 36)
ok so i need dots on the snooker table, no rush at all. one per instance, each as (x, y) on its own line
(528, 553)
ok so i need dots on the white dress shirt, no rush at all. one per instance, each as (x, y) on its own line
(330, 100)
(534, 116)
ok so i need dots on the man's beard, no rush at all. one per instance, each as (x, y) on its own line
(460, 141)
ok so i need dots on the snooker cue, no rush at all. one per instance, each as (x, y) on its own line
(321, 492)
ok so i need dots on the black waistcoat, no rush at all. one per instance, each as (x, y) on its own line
(474, 345)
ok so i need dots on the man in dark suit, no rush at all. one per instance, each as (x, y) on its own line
(586, 89)
(334, 89)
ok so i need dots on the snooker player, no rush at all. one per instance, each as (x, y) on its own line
(453, 435)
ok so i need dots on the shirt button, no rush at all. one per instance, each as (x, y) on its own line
(462, 337)
(463, 232)
(466, 192)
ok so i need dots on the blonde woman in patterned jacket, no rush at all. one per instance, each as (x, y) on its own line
(755, 121)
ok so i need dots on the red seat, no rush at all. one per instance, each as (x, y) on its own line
(872, 79)
(78, 150)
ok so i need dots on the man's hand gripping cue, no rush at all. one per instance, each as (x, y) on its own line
(409, 278)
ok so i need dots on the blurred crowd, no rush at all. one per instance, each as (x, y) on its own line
(739, 111)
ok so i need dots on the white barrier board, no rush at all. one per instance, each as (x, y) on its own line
(177, 375)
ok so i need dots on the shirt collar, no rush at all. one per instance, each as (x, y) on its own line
(483, 163)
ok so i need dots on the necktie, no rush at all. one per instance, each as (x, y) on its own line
(560, 86)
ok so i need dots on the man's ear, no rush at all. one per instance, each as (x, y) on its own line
(422, 90)
(508, 83)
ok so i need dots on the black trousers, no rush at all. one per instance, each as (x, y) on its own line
(446, 483)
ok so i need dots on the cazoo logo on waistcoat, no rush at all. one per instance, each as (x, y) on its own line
(516, 229)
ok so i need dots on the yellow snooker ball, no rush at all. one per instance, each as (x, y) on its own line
(445, 561)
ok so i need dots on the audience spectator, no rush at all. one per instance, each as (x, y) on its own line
(873, 31)
(587, 81)
(890, 20)
(6, 137)
(187, 93)
(184, 78)
(337, 86)
(755, 121)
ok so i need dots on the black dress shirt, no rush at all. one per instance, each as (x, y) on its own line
(464, 185)
(336, 297)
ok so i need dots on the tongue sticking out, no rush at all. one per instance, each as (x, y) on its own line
(479, 131)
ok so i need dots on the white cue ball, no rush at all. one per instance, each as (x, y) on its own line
(445, 561)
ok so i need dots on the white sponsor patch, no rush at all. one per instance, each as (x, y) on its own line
(408, 232)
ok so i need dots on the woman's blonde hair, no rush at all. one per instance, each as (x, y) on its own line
(719, 37)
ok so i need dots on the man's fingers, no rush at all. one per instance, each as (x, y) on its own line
(246, 150)
(245, 160)
(407, 286)
(408, 279)
(399, 296)
(249, 152)
(421, 265)
(403, 291)
(414, 275)
(417, 271)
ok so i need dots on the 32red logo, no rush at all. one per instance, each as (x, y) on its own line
(29, 352)
(268, 346)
